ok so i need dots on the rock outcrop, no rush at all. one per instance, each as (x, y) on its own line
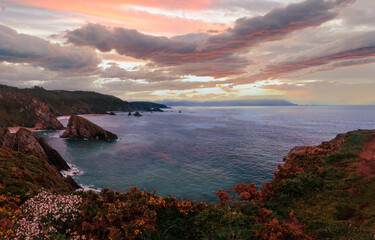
(20, 109)
(26, 141)
(137, 114)
(79, 127)
(323, 148)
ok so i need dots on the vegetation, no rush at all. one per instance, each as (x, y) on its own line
(18, 107)
(316, 195)
(77, 102)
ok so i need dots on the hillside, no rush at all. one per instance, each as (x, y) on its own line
(320, 192)
(18, 108)
(38, 107)
(77, 102)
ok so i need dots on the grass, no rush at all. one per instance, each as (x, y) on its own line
(332, 212)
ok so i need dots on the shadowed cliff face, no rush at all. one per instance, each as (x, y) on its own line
(79, 127)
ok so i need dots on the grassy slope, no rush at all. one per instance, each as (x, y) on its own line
(22, 175)
(342, 206)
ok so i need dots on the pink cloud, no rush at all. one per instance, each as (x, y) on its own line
(119, 12)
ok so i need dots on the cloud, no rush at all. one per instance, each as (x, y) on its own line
(22, 48)
(343, 53)
(193, 48)
(139, 73)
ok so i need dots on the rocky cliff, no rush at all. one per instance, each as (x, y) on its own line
(79, 127)
(19, 109)
(25, 141)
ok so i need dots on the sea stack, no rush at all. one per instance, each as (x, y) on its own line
(79, 127)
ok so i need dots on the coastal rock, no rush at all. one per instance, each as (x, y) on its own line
(6, 138)
(323, 148)
(44, 118)
(27, 111)
(71, 181)
(26, 141)
(137, 114)
(79, 127)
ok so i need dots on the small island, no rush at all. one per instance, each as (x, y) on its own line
(79, 127)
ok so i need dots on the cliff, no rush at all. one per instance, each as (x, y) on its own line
(79, 127)
(25, 141)
(38, 107)
(320, 192)
(78, 102)
(19, 109)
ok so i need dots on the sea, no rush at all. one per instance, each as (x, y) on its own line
(191, 152)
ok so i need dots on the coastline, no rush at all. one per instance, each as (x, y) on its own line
(36, 129)
(81, 115)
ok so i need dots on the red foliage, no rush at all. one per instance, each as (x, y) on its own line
(263, 215)
(291, 229)
(223, 197)
(247, 192)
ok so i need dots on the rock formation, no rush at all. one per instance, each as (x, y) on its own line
(323, 148)
(79, 127)
(27, 111)
(26, 141)
(137, 114)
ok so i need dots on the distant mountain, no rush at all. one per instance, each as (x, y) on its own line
(252, 102)
(38, 107)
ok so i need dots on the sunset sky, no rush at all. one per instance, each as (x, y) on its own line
(307, 52)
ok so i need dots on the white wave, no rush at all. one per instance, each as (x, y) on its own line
(73, 171)
(86, 188)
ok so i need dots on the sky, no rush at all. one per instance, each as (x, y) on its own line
(303, 51)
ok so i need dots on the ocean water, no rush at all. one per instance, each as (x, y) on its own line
(192, 154)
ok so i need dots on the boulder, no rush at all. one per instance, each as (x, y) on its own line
(137, 114)
(79, 127)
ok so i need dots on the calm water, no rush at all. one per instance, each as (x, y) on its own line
(194, 153)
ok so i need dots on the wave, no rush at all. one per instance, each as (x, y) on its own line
(73, 171)
(86, 188)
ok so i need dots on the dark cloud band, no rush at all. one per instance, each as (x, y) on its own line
(22, 48)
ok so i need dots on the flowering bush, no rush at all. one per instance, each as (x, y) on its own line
(9, 212)
(48, 215)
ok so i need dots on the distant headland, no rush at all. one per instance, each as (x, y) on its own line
(232, 103)
(38, 108)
